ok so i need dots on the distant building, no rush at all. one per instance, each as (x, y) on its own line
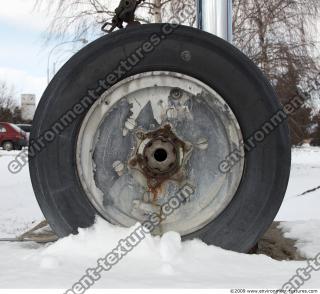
(28, 106)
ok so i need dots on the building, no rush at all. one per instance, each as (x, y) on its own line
(28, 106)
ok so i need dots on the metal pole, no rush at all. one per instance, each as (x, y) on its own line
(215, 17)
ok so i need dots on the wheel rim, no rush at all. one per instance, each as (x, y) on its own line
(150, 135)
(8, 146)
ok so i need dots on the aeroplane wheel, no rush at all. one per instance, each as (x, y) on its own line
(155, 111)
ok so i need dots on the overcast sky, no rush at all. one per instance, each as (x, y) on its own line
(22, 56)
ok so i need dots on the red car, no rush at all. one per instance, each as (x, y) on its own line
(12, 137)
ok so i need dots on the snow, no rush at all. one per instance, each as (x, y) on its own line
(19, 209)
(305, 175)
(157, 262)
(307, 235)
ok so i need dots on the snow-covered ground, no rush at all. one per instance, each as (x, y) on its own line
(157, 262)
(19, 209)
(305, 176)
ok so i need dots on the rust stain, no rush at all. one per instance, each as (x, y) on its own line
(156, 181)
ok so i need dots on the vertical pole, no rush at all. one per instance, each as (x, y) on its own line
(215, 16)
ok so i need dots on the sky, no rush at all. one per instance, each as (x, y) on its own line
(23, 55)
(23, 58)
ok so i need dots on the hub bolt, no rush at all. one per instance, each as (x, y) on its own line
(202, 144)
(176, 93)
(119, 168)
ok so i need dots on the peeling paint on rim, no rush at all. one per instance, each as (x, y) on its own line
(201, 117)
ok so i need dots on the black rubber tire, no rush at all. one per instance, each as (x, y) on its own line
(18, 147)
(191, 52)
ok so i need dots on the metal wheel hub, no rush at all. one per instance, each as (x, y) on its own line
(150, 135)
(159, 156)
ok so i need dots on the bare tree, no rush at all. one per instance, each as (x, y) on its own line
(316, 130)
(178, 6)
(7, 96)
(278, 35)
(8, 103)
(82, 19)
(75, 19)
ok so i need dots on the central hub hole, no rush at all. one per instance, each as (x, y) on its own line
(160, 155)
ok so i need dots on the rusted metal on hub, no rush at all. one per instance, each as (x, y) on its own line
(155, 170)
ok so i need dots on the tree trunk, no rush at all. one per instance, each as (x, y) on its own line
(157, 11)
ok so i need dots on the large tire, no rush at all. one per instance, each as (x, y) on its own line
(191, 52)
